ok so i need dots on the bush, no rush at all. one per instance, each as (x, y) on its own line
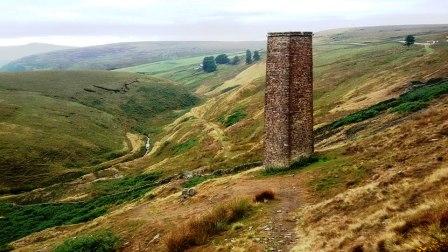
(248, 57)
(103, 241)
(222, 59)
(256, 55)
(208, 64)
(199, 231)
(409, 107)
(235, 60)
(264, 195)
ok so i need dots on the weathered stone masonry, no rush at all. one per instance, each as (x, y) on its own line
(289, 98)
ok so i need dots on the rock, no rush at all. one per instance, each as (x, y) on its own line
(279, 211)
(191, 192)
(188, 192)
(187, 175)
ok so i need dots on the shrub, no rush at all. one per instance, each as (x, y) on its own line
(409, 107)
(235, 60)
(208, 64)
(248, 57)
(256, 55)
(102, 241)
(264, 195)
(198, 231)
(222, 59)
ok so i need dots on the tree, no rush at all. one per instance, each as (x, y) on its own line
(235, 60)
(222, 59)
(248, 57)
(409, 40)
(256, 56)
(208, 64)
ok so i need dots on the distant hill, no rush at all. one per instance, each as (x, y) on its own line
(10, 53)
(113, 56)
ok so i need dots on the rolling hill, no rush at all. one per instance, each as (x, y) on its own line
(113, 56)
(10, 53)
(378, 181)
(58, 125)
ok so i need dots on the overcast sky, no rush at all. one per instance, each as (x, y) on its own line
(89, 22)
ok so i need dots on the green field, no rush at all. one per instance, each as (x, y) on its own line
(186, 71)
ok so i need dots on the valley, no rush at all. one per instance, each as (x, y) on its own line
(76, 162)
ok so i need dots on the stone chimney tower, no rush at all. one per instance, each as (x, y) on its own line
(289, 98)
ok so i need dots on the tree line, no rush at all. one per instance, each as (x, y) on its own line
(209, 63)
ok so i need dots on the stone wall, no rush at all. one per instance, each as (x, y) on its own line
(289, 98)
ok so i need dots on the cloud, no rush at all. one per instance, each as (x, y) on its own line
(201, 19)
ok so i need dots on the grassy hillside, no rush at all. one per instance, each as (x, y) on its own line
(348, 77)
(45, 140)
(56, 124)
(121, 55)
(377, 182)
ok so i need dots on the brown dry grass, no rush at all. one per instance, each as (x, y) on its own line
(198, 231)
(422, 229)
(264, 196)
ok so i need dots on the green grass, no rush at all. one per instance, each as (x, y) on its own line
(233, 118)
(21, 220)
(297, 165)
(337, 176)
(47, 139)
(100, 241)
(184, 146)
(411, 101)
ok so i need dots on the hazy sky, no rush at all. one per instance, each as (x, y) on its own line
(89, 22)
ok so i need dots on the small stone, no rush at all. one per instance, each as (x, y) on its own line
(279, 211)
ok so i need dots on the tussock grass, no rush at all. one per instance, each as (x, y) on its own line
(100, 241)
(422, 229)
(264, 196)
(198, 231)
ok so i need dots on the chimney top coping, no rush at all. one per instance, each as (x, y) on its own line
(290, 34)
